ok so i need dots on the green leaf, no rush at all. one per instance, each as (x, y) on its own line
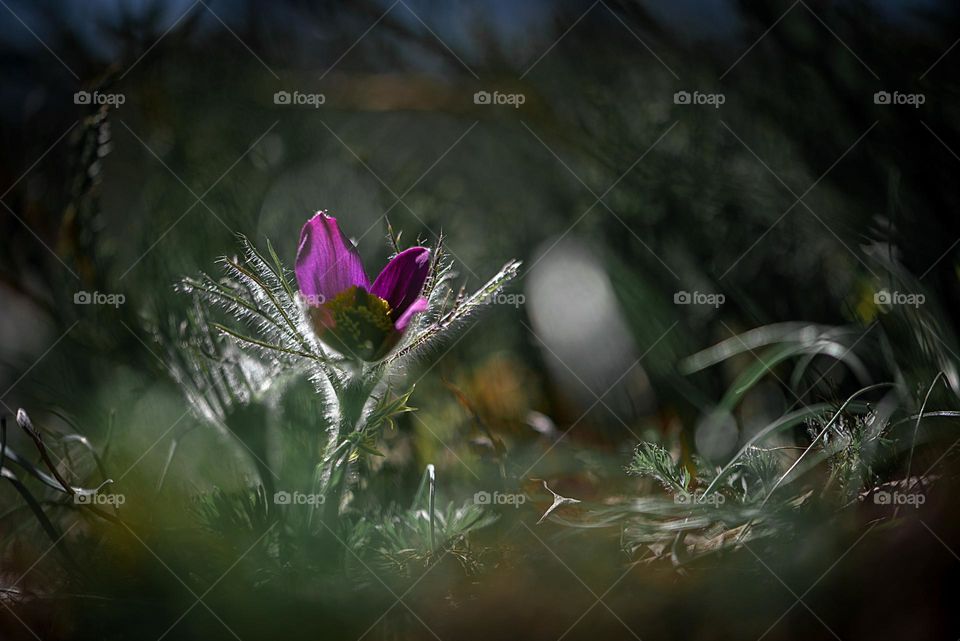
(652, 460)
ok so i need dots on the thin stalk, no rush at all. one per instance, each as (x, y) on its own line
(433, 505)
(352, 398)
(916, 430)
(826, 427)
(331, 502)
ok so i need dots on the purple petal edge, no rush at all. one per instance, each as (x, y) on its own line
(412, 310)
(402, 279)
(327, 262)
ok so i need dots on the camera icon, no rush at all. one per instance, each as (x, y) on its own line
(882, 297)
(682, 298)
(81, 98)
(682, 98)
(482, 498)
(83, 498)
(281, 98)
(682, 499)
(881, 98)
(882, 498)
(282, 498)
(482, 98)
(82, 298)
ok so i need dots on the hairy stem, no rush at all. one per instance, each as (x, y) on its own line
(352, 398)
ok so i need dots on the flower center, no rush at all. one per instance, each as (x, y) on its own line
(361, 322)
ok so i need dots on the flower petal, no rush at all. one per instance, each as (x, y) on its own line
(327, 262)
(415, 308)
(402, 279)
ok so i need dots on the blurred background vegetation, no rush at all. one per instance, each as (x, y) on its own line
(798, 199)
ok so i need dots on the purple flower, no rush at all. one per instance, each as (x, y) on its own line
(347, 312)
